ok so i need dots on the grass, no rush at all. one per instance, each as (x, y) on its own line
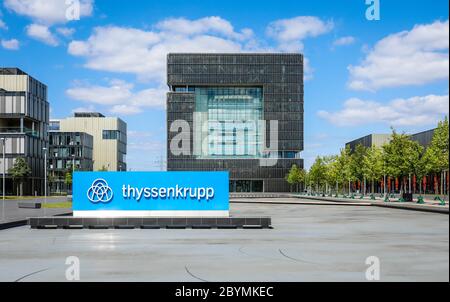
(57, 205)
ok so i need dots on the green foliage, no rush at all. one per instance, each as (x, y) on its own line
(397, 153)
(317, 172)
(436, 155)
(295, 176)
(68, 178)
(372, 164)
(344, 160)
(20, 172)
(399, 158)
(356, 162)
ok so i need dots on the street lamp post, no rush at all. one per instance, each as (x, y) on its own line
(45, 175)
(4, 173)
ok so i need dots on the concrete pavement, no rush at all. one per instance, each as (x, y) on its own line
(308, 243)
(13, 213)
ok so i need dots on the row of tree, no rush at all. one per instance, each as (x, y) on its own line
(21, 171)
(401, 159)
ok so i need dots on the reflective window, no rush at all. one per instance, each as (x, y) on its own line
(111, 134)
(232, 117)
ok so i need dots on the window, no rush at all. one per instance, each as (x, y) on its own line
(111, 134)
(233, 116)
(54, 126)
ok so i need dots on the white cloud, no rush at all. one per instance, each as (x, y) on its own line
(143, 53)
(414, 57)
(119, 96)
(115, 92)
(290, 33)
(47, 12)
(415, 111)
(41, 33)
(12, 44)
(205, 25)
(65, 31)
(2, 23)
(348, 40)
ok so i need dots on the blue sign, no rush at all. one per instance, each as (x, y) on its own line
(147, 194)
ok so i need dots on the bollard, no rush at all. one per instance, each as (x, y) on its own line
(420, 200)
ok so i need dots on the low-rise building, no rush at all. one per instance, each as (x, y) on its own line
(68, 152)
(109, 136)
(24, 117)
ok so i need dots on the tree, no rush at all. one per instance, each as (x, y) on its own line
(20, 172)
(68, 178)
(334, 174)
(295, 176)
(317, 172)
(415, 160)
(329, 176)
(344, 163)
(397, 156)
(436, 155)
(357, 162)
(372, 165)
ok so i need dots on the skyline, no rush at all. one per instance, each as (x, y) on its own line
(376, 74)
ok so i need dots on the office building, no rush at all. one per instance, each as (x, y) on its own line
(68, 151)
(428, 184)
(24, 117)
(378, 140)
(227, 100)
(109, 135)
(369, 141)
(424, 138)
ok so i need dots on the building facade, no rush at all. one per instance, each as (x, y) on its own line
(423, 138)
(109, 136)
(427, 185)
(369, 141)
(68, 151)
(224, 103)
(24, 118)
(378, 140)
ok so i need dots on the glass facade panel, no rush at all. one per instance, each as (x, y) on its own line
(232, 116)
(111, 134)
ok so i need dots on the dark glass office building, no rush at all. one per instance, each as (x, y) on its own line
(226, 102)
(24, 117)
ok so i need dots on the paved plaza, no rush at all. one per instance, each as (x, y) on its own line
(14, 213)
(307, 243)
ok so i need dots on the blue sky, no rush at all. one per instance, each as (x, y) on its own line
(361, 76)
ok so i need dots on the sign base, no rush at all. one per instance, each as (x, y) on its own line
(70, 222)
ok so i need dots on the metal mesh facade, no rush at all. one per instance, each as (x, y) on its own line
(281, 79)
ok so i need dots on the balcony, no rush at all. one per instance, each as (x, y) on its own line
(18, 130)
